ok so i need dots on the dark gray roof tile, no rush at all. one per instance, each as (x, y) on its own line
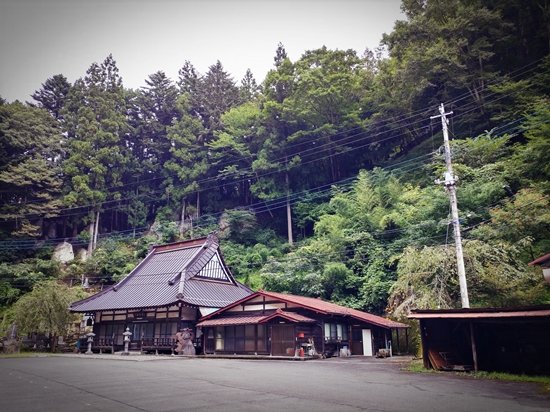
(157, 280)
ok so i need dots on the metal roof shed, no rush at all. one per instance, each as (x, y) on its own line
(514, 339)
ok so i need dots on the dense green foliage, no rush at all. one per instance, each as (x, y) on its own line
(319, 179)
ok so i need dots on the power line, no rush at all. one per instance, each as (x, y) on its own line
(328, 188)
(395, 122)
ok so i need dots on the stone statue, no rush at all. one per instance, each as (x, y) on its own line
(185, 342)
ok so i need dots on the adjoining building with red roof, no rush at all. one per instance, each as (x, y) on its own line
(279, 324)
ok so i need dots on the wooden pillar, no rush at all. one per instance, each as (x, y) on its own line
(474, 352)
(424, 341)
(407, 339)
(397, 339)
(322, 326)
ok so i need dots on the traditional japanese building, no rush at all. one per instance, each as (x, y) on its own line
(168, 291)
(279, 324)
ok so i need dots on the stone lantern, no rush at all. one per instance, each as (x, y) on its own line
(126, 335)
(90, 341)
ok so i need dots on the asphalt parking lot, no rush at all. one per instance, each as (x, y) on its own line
(76, 383)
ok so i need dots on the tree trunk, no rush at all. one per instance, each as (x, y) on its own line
(198, 204)
(91, 242)
(182, 218)
(96, 230)
(288, 211)
(54, 342)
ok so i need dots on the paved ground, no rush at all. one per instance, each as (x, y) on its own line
(76, 383)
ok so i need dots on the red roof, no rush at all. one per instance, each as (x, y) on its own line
(235, 320)
(247, 320)
(293, 317)
(541, 260)
(482, 313)
(316, 305)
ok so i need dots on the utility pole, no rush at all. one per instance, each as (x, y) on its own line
(450, 185)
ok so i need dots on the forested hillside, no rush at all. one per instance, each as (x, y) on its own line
(319, 178)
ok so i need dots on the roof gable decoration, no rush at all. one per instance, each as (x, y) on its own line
(214, 270)
(292, 317)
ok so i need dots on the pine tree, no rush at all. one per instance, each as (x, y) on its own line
(249, 89)
(53, 94)
(188, 162)
(217, 94)
(96, 156)
(30, 175)
(280, 55)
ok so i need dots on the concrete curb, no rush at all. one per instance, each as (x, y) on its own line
(138, 357)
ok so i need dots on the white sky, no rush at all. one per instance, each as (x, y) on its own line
(42, 38)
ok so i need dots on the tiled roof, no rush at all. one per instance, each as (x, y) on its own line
(234, 320)
(213, 294)
(334, 309)
(294, 317)
(541, 260)
(247, 320)
(316, 305)
(167, 276)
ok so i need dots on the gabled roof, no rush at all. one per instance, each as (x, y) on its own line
(521, 312)
(315, 305)
(247, 320)
(543, 260)
(192, 272)
(293, 317)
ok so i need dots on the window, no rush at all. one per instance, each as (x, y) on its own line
(219, 338)
(334, 331)
(345, 332)
(167, 329)
(241, 338)
(107, 331)
(229, 338)
(140, 330)
(331, 331)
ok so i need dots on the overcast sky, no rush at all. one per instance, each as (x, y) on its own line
(42, 38)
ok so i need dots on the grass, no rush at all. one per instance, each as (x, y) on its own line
(417, 365)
